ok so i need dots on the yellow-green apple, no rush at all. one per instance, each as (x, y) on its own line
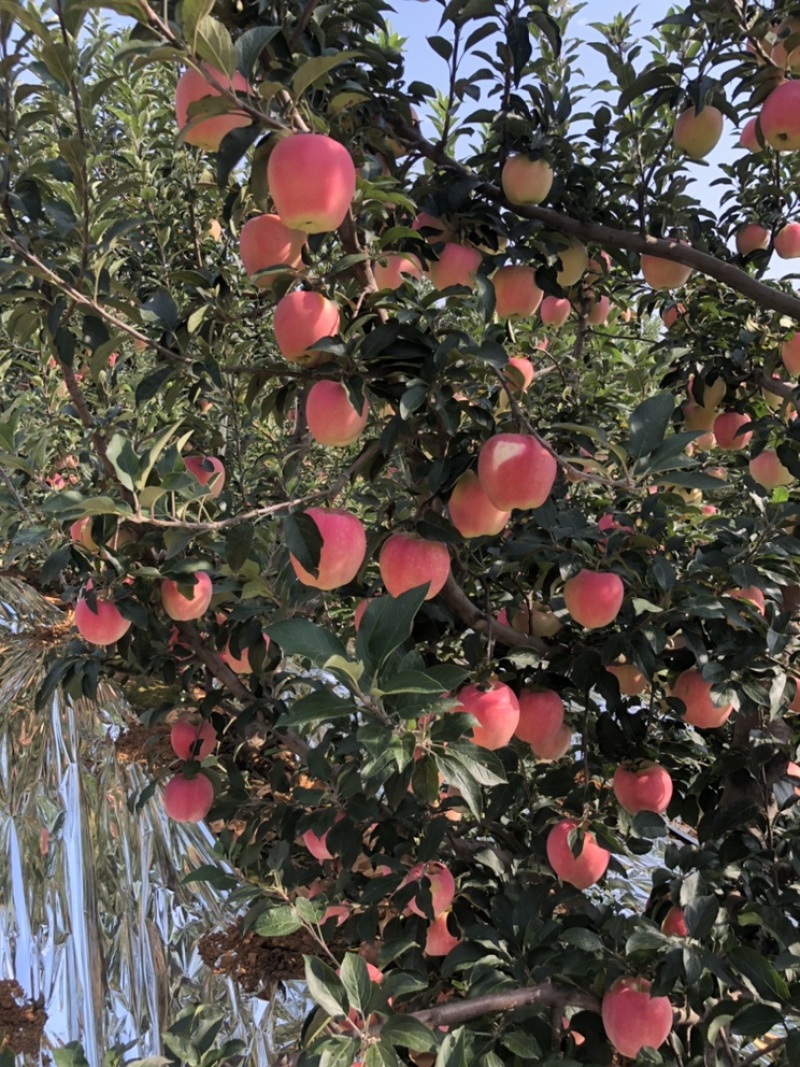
(790, 354)
(674, 924)
(672, 314)
(751, 594)
(787, 241)
(332, 419)
(526, 181)
(582, 870)
(300, 320)
(543, 622)
(662, 273)
(555, 746)
(192, 86)
(751, 238)
(392, 268)
(599, 308)
(748, 138)
(701, 710)
(519, 373)
(471, 511)
(649, 788)
(702, 418)
(81, 532)
(192, 738)
(100, 624)
(266, 242)
(634, 1020)
(593, 598)
(780, 117)
(727, 427)
(440, 882)
(516, 471)
(207, 471)
(516, 294)
(574, 259)
(188, 799)
(541, 715)
(696, 133)
(312, 181)
(438, 939)
(496, 709)
(456, 265)
(344, 545)
(768, 471)
(632, 683)
(191, 604)
(406, 561)
(555, 310)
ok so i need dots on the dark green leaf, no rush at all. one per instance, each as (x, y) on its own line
(301, 637)
(325, 988)
(648, 424)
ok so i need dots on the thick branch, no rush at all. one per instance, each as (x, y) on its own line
(454, 1013)
(456, 599)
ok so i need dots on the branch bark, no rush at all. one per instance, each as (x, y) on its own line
(458, 601)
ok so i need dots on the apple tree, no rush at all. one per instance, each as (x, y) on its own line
(431, 453)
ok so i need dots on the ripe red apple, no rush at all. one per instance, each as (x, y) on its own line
(526, 181)
(102, 626)
(208, 471)
(593, 598)
(541, 715)
(496, 709)
(300, 320)
(664, 273)
(516, 293)
(188, 799)
(749, 137)
(456, 265)
(471, 511)
(599, 308)
(673, 314)
(697, 132)
(701, 711)
(768, 471)
(516, 471)
(790, 354)
(407, 561)
(555, 310)
(391, 269)
(332, 419)
(208, 133)
(553, 747)
(344, 545)
(750, 238)
(184, 608)
(440, 881)
(647, 789)
(674, 924)
(726, 430)
(634, 1020)
(312, 181)
(787, 241)
(631, 680)
(438, 940)
(780, 117)
(266, 242)
(519, 373)
(192, 739)
(239, 664)
(582, 870)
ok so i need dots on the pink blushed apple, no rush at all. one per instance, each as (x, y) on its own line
(332, 419)
(300, 320)
(701, 709)
(516, 293)
(696, 133)
(265, 242)
(209, 132)
(456, 265)
(790, 353)
(582, 870)
(207, 471)
(787, 241)
(555, 310)
(192, 739)
(593, 598)
(438, 939)
(634, 1020)
(344, 545)
(188, 799)
(496, 709)
(751, 238)
(392, 268)
(780, 117)
(728, 432)
(519, 373)
(406, 561)
(188, 599)
(102, 624)
(440, 882)
(674, 924)
(516, 471)
(472, 512)
(541, 715)
(767, 470)
(312, 181)
(660, 273)
(526, 181)
(649, 788)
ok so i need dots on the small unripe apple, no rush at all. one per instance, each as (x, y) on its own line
(392, 268)
(593, 598)
(697, 132)
(780, 117)
(188, 799)
(312, 181)
(265, 242)
(664, 273)
(701, 710)
(496, 709)
(630, 679)
(207, 133)
(516, 471)
(332, 419)
(344, 545)
(582, 870)
(192, 740)
(438, 940)
(456, 265)
(647, 789)
(208, 471)
(471, 511)
(751, 238)
(519, 374)
(790, 354)
(441, 883)
(102, 626)
(541, 715)
(555, 310)
(674, 924)
(300, 320)
(726, 430)
(406, 561)
(574, 260)
(526, 181)
(787, 241)
(768, 471)
(185, 608)
(634, 1020)
(749, 137)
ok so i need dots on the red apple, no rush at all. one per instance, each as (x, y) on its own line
(441, 883)
(496, 709)
(674, 924)
(239, 664)
(344, 545)
(787, 241)
(662, 273)
(207, 471)
(582, 870)
(526, 181)
(790, 354)
(631, 680)
(300, 320)
(780, 117)
(391, 269)
(634, 1020)
(555, 746)
(749, 137)
(471, 511)
(541, 715)
(555, 311)
(701, 711)
(516, 471)
(456, 265)
(768, 471)
(516, 293)
(188, 799)
(673, 314)
(519, 373)
(697, 132)
(438, 940)
(102, 626)
(184, 608)
(207, 133)
(599, 308)
(751, 238)
(312, 181)
(266, 242)
(332, 419)
(407, 561)
(726, 430)
(193, 739)
(647, 789)
(593, 598)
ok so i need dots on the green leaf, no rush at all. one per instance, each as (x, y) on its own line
(320, 706)
(406, 1032)
(701, 915)
(325, 988)
(382, 1055)
(71, 1055)
(409, 682)
(483, 766)
(278, 922)
(250, 46)
(756, 1019)
(213, 43)
(191, 11)
(310, 71)
(386, 624)
(357, 982)
(758, 973)
(301, 637)
(648, 424)
(303, 540)
(124, 460)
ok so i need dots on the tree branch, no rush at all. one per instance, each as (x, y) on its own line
(454, 1013)
(458, 601)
